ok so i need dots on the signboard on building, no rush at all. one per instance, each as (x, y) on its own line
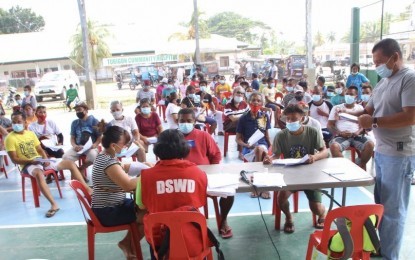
(129, 60)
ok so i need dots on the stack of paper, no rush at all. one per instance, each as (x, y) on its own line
(152, 140)
(86, 146)
(41, 160)
(347, 175)
(348, 117)
(264, 179)
(223, 184)
(255, 137)
(290, 162)
(136, 167)
(131, 150)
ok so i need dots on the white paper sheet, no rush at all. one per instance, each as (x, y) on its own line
(263, 179)
(222, 180)
(290, 162)
(131, 150)
(135, 168)
(348, 117)
(152, 140)
(347, 175)
(86, 146)
(39, 159)
(3, 153)
(223, 191)
(255, 137)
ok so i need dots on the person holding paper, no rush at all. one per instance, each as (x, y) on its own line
(203, 151)
(148, 122)
(297, 141)
(129, 124)
(347, 132)
(24, 147)
(254, 122)
(83, 129)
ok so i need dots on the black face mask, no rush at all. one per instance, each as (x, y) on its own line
(80, 115)
(299, 98)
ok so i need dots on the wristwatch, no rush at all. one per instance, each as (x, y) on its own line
(375, 122)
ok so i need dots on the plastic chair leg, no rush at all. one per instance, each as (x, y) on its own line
(225, 144)
(91, 243)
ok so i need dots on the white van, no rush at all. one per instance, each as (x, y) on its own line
(54, 84)
(366, 60)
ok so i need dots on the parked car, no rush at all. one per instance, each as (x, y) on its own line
(54, 84)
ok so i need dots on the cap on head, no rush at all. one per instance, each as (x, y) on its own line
(82, 104)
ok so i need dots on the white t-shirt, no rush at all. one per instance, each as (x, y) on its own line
(322, 119)
(39, 130)
(315, 124)
(170, 110)
(344, 124)
(274, 69)
(236, 68)
(141, 94)
(128, 123)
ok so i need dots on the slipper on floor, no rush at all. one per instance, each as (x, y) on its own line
(254, 195)
(226, 233)
(51, 213)
(265, 195)
(320, 223)
(289, 227)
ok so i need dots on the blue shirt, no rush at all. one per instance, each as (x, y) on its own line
(255, 84)
(247, 126)
(81, 130)
(356, 80)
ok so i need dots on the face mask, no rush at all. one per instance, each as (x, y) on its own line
(117, 114)
(186, 128)
(272, 85)
(41, 118)
(299, 98)
(289, 89)
(383, 71)
(293, 126)
(146, 87)
(192, 96)
(145, 110)
(316, 98)
(330, 94)
(26, 93)
(248, 95)
(354, 73)
(122, 152)
(365, 97)
(254, 108)
(339, 91)
(169, 86)
(222, 82)
(80, 115)
(203, 88)
(349, 99)
(17, 127)
(71, 87)
(19, 102)
(237, 99)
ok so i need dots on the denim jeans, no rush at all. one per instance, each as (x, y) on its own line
(392, 190)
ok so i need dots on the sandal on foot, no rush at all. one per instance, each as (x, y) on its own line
(289, 227)
(254, 195)
(265, 195)
(320, 223)
(50, 213)
(226, 233)
(49, 179)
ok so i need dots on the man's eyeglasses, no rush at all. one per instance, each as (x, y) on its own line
(240, 93)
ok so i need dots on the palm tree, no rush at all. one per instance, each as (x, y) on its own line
(190, 32)
(319, 39)
(331, 37)
(98, 48)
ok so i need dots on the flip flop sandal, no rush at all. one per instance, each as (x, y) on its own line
(50, 213)
(254, 195)
(265, 195)
(320, 223)
(226, 233)
(289, 227)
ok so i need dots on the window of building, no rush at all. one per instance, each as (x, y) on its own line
(18, 74)
(6, 73)
(31, 74)
(66, 67)
(224, 61)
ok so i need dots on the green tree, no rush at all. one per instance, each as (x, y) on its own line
(233, 25)
(20, 20)
(331, 37)
(319, 39)
(190, 33)
(97, 46)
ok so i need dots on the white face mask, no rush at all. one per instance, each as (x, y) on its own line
(238, 99)
(117, 114)
(339, 91)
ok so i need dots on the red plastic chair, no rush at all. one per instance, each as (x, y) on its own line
(175, 220)
(216, 207)
(357, 215)
(82, 160)
(94, 226)
(226, 142)
(35, 187)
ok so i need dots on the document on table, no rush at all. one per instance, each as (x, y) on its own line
(264, 179)
(152, 140)
(255, 137)
(86, 146)
(39, 159)
(290, 162)
(348, 117)
(223, 184)
(131, 150)
(346, 175)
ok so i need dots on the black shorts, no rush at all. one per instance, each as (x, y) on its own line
(118, 215)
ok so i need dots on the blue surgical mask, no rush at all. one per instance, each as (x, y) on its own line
(192, 96)
(203, 88)
(186, 128)
(289, 89)
(26, 93)
(293, 126)
(339, 91)
(330, 94)
(222, 82)
(146, 110)
(365, 97)
(247, 95)
(349, 99)
(122, 152)
(316, 98)
(383, 71)
(272, 85)
(17, 127)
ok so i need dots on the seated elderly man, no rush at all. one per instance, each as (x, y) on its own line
(346, 131)
(234, 109)
(297, 141)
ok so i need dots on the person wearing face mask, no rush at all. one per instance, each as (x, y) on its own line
(145, 92)
(270, 102)
(356, 79)
(308, 120)
(234, 109)
(300, 96)
(296, 141)
(71, 95)
(330, 93)
(320, 110)
(255, 82)
(366, 94)
(339, 94)
(148, 122)
(347, 132)
(183, 87)
(28, 97)
(30, 114)
(207, 102)
(203, 151)
(391, 113)
(24, 147)
(222, 88)
(172, 110)
(290, 91)
(82, 129)
(168, 89)
(129, 124)
(248, 124)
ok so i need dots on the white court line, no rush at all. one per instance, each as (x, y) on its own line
(45, 225)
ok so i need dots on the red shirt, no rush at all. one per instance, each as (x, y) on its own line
(205, 151)
(148, 126)
(231, 110)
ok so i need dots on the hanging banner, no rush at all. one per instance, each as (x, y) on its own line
(129, 60)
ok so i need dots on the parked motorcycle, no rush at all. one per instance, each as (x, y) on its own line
(340, 75)
(10, 98)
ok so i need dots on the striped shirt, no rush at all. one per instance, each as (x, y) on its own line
(232, 110)
(106, 192)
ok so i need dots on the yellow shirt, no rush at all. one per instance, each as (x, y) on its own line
(269, 93)
(23, 144)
